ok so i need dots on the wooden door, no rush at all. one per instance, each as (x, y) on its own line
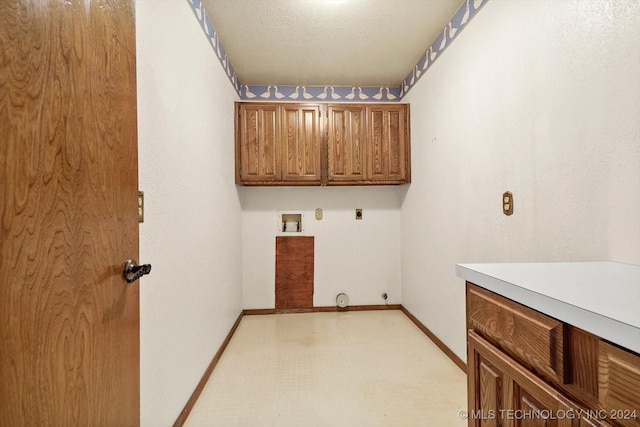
(69, 323)
(294, 272)
(301, 140)
(387, 148)
(257, 143)
(346, 142)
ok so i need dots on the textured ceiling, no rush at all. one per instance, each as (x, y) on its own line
(327, 42)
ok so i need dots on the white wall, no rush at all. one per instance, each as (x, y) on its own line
(359, 258)
(536, 97)
(191, 234)
(540, 98)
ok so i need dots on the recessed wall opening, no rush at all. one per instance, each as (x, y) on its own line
(290, 223)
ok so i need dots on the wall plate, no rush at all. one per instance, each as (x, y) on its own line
(507, 203)
(140, 206)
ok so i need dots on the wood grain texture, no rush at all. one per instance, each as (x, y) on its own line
(346, 142)
(69, 326)
(322, 144)
(534, 339)
(490, 390)
(594, 393)
(619, 384)
(387, 142)
(301, 143)
(593, 421)
(501, 379)
(294, 272)
(581, 364)
(258, 143)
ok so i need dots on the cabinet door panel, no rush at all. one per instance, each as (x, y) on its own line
(485, 387)
(490, 389)
(346, 142)
(257, 143)
(506, 393)
(386, 143)
(619, 385)
(301, 143)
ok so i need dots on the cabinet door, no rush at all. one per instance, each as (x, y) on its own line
(346, 139)
(486, 382)
(503, 393)
(619, 385)
(387, 148)
(300, 143)
(257, 143)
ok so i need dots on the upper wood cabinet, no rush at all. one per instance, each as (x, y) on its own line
(258, 143)
(301, 139)
(322, 144)
(346, 141)
(387, 148)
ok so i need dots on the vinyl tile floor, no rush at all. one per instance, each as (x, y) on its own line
(361, 368)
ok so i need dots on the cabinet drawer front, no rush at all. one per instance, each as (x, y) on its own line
(619, 384)
(533, 338)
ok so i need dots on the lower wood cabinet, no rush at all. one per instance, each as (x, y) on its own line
(619, 384)
(528, 369)
(503, 392)
(536, 339)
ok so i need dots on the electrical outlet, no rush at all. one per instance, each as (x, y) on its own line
(507, 203)
(319, 214)
(358, 213)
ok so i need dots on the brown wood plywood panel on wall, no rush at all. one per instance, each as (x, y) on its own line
(294, 272)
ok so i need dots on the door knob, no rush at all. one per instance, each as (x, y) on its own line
(132, 271)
